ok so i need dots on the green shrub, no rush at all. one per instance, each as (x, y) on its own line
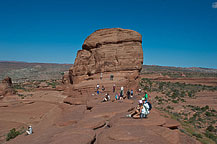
(12, 134)
(210, 128)
(208, 114)
(174, 101)
(211, 136)
(197, 135)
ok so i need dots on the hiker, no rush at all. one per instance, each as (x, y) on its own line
(101, 75)
(146, 96)
(103, 88)
(121, 95)
(122, 88)
(97, 86)
(116, 97)
(122, 91)
(145, 110)
(114, 88)
(140, 90)
(107, 98)
(111, 77)
(128, 94)
(29, 131)
(137, 112)
(131, 93)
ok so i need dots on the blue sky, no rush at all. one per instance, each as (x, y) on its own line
(175, 33)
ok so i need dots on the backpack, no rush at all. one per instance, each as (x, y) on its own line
(150, 106)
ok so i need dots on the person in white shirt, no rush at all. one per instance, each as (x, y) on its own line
(29, 131)
(145, 110)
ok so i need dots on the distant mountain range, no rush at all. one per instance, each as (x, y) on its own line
(22, 71)
(155, 68)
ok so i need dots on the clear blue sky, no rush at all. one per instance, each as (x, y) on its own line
(175, 32)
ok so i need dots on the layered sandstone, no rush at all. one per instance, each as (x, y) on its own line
(6, 87)
(108, 50)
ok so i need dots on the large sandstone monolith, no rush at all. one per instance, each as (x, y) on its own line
(112, 51)
(108, 50)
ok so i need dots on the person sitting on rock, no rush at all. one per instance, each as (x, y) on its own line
(107, 98)
(138, 110)
(116, 97)
(145, 110)
(29, 131)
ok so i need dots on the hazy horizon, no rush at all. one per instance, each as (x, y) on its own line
(73, 63)
(175, 33)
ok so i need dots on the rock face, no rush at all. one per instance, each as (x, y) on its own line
(5, 87)
(108, 50)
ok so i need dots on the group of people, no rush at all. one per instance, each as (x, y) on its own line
(129, 94)
(143, 108)
(118, 96)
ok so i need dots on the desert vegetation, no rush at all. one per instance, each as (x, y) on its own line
(198, 122)
(14, 133)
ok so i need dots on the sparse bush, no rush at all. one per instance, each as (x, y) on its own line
(210, 128)
(197, 135)
(169, 107)
(174, 101)
(12, 134)
(211, 136)
(209, 114)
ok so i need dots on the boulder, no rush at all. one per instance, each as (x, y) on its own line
(107, 50)
(7, 81)
(6, 87)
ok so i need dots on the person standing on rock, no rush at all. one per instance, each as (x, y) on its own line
(128, 94)
(121, 96)
(114, 88)
(146, 96)
(97, 88)
(103, 88)
(122, 89)
(101, 75)
(131, 93)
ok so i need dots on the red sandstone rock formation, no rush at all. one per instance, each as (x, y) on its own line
(5, 87)
(108, 50)
(113, 51)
